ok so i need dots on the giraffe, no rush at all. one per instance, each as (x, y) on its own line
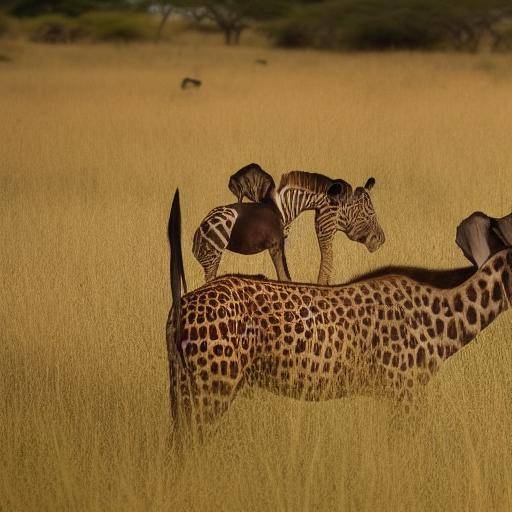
(248, 228)
(385, 333)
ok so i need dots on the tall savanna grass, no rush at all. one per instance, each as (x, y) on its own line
(94, 140)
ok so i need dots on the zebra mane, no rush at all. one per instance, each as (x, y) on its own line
(308, 181)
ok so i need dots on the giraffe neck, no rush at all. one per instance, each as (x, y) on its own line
(475, 304)
(292, 202)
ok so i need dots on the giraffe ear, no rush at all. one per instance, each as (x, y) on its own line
(503, 229)
(477, 238)
(370, 182)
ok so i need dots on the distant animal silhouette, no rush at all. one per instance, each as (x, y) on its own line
(262, 62)
(385, 335)
(249, 228)
(188, 83)
(479, 236)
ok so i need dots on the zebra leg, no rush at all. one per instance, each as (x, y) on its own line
(211, 265)
(326, 259)
(325, 231)
(279, 259)
(209, 257)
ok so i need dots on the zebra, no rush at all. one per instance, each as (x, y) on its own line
(249, 228)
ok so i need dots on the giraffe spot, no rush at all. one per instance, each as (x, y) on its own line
(452, 329)
(471, 314)
(390, 314)
(386, 357)
(358, 299)
(214, 367)
(191, 349)
(315, 366)
(496, 291)
(228, 350)
(326, 368)
(210, 314)
(304, 312)
(440, 350)
(191, 318)
(426, 320)
(380, 314)
(201, 361)
(436, 306)
(213, 332)
(300, 346)
(431, 332)
(218, 350)
(458, 304)
(413, 342)
(375, 340)
(224, 367)
(471, 293)
(417, 302)
(498, 263)
(204, 375)
(203, 331)
(439, 326)
(203, 346)
(410, 360)
(233, 369)
(482, 284)
(408, 304)
(288, 340)
(277, 330)
(299, 328)
(420, 357)
(394, 333)
(484, 301)
(425, 300)
(394, 361)
(288, 316)
(388, 301)
(193, 336)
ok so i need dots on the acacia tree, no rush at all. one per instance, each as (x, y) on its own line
(234, 16)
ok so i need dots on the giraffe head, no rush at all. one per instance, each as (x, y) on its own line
(357, 217)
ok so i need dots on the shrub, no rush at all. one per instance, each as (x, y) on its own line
(360, 25)
(53, 28)
(4, 25)
(116, 26)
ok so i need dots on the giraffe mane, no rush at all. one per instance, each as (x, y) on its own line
(307, 181)
(442, 279)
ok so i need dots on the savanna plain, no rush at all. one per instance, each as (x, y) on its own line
(93, 142)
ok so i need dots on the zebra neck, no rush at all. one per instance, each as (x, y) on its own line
(292, 202)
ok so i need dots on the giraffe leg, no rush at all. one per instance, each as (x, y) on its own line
(279, 259)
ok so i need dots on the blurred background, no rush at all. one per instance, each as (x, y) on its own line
(461, 25)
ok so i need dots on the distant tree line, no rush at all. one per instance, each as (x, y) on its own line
(332, 24)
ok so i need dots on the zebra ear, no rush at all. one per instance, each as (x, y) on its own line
(370, 182)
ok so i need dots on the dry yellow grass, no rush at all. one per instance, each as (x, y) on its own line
(94, 141)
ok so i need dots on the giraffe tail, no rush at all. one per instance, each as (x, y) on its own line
(177, 273)
(177, 278)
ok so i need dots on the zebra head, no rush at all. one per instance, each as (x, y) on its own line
(357, 217)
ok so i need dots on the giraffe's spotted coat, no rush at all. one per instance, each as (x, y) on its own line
(386, 334)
